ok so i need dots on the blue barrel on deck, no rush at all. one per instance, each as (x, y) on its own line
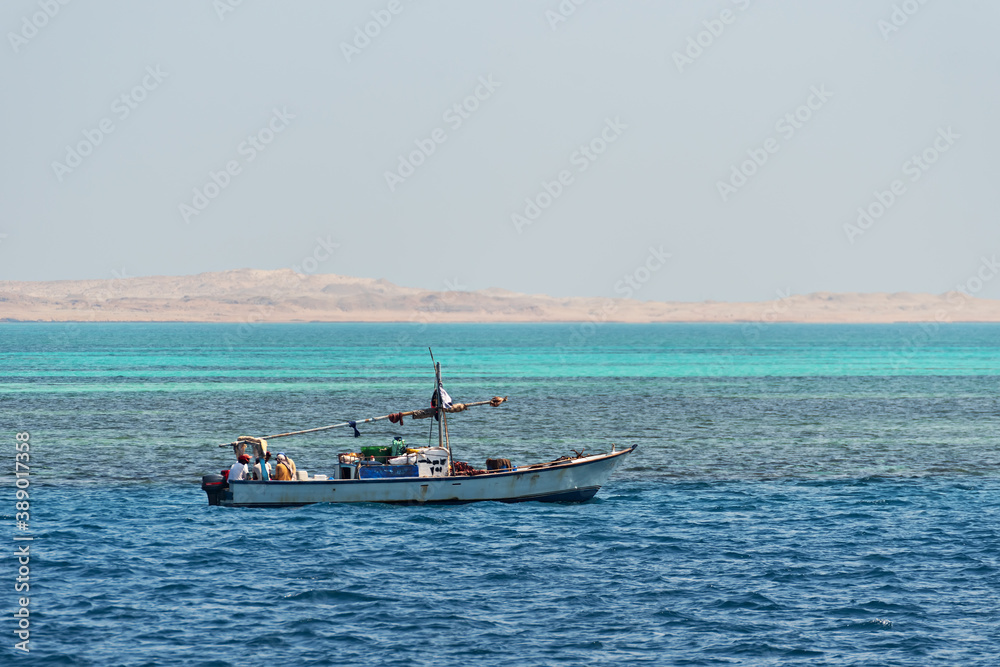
(386, 471)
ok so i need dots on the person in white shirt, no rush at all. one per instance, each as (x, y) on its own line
(240, 470)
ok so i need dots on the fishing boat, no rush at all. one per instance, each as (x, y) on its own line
(412, 476)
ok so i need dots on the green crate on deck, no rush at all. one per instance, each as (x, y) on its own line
(381, 454)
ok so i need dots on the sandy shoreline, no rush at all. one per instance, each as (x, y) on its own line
(249, 295)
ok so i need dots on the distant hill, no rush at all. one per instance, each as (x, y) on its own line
(249, 295)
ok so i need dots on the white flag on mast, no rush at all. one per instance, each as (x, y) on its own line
(445, 398)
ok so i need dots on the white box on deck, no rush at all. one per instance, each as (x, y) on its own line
(432, 462)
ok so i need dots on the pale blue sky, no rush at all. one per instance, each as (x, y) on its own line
(671, 135)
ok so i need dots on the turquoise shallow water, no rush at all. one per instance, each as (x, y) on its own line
(822, 495)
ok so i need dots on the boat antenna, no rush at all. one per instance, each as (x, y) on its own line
(434, 364)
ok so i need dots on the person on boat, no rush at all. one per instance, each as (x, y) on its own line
(289, 463)
(281, 470)
(267, 462)
(240, 470)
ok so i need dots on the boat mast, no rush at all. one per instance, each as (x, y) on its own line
(440, 411)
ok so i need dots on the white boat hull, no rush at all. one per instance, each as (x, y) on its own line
(573, 480)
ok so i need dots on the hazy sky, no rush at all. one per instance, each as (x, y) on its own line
(539, 146)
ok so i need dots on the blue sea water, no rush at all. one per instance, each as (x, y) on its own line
(801, 495)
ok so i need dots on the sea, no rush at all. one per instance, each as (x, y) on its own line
(800, 495)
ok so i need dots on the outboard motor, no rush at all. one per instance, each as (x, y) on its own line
(214, 486)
